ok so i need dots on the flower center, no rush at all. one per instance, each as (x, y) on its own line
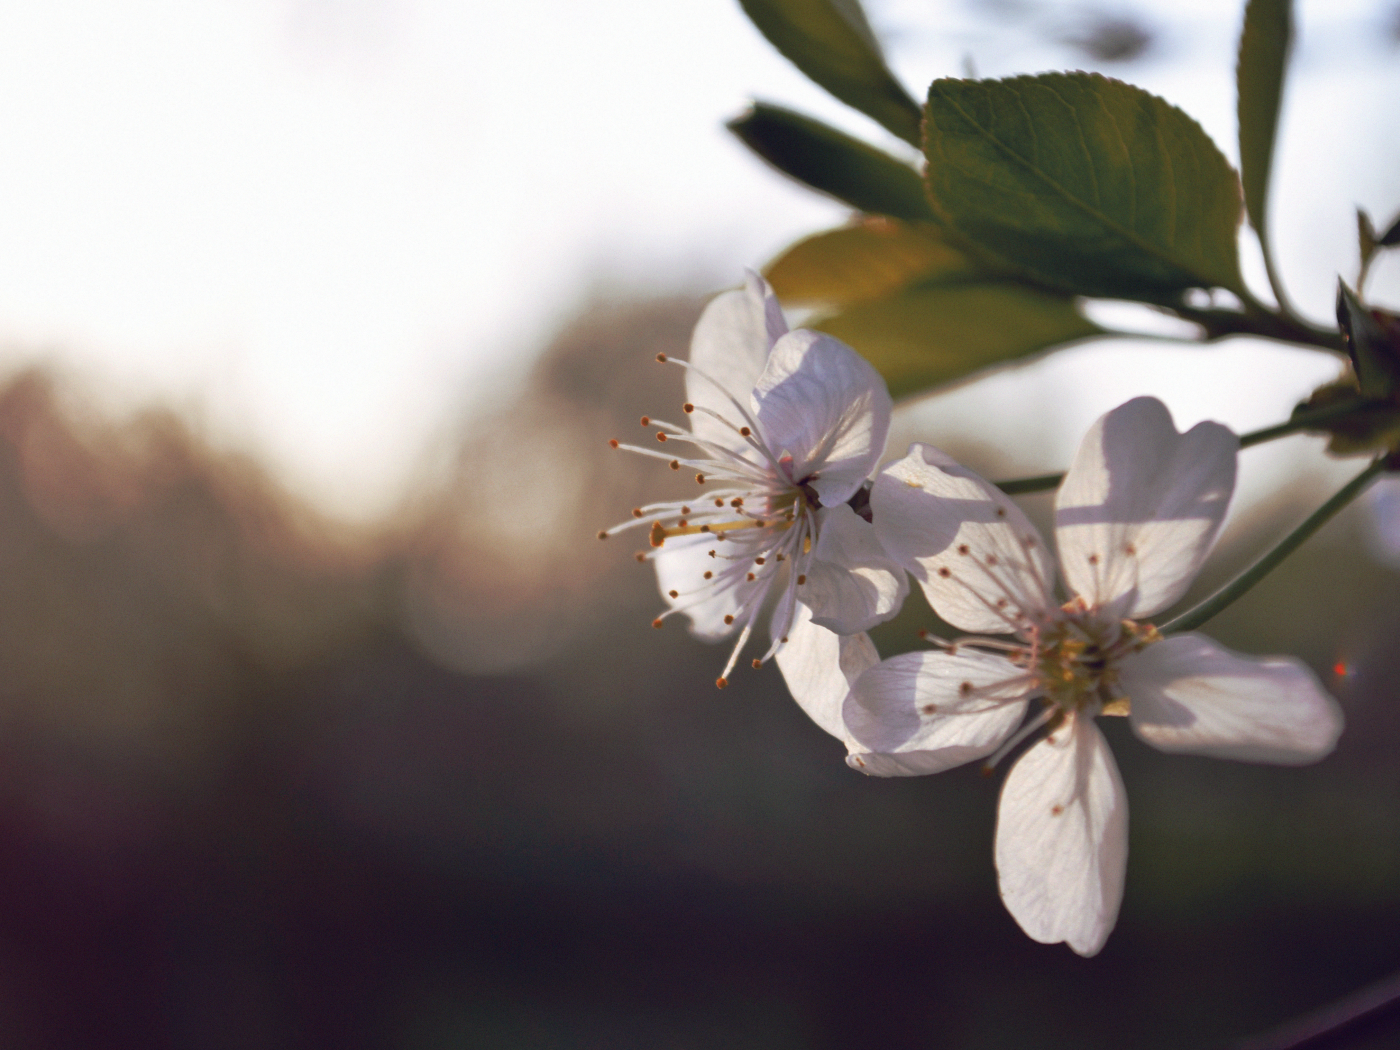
(1074, 659)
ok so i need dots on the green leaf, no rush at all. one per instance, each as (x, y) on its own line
(1391, 237)
(1373, 355)
(1083, 183)
(831, 42)
(1264, 47)
(833, 162)
(1368, 426)
(929, 336)
(1366, 244)
(868, 261)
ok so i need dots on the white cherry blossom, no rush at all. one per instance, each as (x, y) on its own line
(784, 429)
(1134, 519)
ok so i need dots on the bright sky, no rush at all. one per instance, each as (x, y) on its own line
(326, 227)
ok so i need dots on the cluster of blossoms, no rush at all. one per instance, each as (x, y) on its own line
(1135, 518)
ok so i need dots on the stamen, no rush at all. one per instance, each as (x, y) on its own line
(646, 421)
(613, 442)
(687, 408)
(675, 464)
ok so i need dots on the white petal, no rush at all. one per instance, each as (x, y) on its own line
(819, 667)
(1190, 694)
(1141, 505)
(730, 346)
(1062, 839)
(681, 565)
(852, 584)
(821, 403)
(935, 517)
(925, 712)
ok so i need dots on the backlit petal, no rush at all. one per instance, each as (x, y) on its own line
(1062, 839)
(1140, 507)
(819, 667)
(1190, 694)
(821, 403)
(680, 567)
(852, 584)
(981, 563)
(925, 712)
(730, 346)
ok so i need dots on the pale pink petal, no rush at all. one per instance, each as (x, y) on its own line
(1140, 507)
(1190, 694)
(1062, 839)
(728, 352)
(981, 563)
(852, 584)
(680, 567)
(819, 667)
(821, 403)
(925, 712)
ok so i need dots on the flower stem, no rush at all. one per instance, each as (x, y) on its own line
(1320, 1028)
(1193, 618)
(1039, 483)
(1299, 421)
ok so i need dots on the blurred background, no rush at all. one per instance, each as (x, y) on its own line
(325, 721)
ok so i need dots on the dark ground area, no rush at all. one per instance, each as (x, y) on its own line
(243, 803)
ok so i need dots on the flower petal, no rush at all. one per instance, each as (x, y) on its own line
(981, 563)
(1190, 694)
(819, 667)
(821, 403)
(852, 584)
(680, 567)
(1140, 507)
(925, 712)
(728, 352)
(1062, 839)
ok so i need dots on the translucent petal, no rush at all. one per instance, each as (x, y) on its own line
(981, 563)
(1062, 839)
(681, 566)
(819, 667)
(821, 403)
(730, 346)
(1140, 507)
(1190, 694)
(852, 584)
(925, 712)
